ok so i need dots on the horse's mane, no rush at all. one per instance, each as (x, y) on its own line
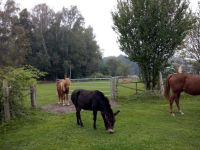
(106, 100)
(67, 82)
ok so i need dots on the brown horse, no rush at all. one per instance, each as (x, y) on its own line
(181, 82)
(63, 90)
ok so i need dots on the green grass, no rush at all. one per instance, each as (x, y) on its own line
(143, 123)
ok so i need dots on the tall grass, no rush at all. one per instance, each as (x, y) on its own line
(143, 123)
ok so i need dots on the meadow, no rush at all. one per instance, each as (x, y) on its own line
(143, 123)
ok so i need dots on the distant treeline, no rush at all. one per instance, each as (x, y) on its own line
(54, 42)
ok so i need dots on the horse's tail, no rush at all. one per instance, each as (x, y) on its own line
(167, 87)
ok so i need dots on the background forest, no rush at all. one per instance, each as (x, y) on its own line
(54, 42)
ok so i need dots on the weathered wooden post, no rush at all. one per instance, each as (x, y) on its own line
(33, 96)
(114, 88)
(161, 84)
(116, 83)
(6, 104)
(136, 87)
(180, 69)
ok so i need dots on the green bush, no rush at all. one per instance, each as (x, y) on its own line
(19, 80)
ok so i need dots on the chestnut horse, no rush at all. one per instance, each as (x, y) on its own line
(95, 101)
(63, 90)
(181, 82)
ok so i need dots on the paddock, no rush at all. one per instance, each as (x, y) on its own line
(106, 85)
(143, 123)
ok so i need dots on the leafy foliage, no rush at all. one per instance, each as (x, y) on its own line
(150, 31)
(54, 42)
(61, 44)
(19, 82)
(118, 66)
(192, 43)
(14, 44)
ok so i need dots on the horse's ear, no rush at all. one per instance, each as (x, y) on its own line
(116, 113)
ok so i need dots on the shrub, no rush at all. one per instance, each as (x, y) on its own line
(19, 80)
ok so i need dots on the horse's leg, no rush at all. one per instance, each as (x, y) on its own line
(78, 116)
(94, 118)
(68, 103)
(63, 99)
(67, 96)
(171, 101)
(104, 119)
(177, 104)
(59, 98)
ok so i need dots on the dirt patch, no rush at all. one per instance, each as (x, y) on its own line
(59, 108)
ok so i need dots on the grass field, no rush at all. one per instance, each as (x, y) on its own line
(143, 123)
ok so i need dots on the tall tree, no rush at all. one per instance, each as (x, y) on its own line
(149, 32)
(13, 46)
(57, 43)
(42, 18)
(78, 43)
(116, 67)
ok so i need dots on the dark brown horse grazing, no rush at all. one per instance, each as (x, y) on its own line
(181, 82)
(95, 101)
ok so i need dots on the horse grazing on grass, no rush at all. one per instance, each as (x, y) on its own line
(95, 101)
(181, 82)
(63, 90)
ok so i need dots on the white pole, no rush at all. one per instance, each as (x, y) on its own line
(161, 84)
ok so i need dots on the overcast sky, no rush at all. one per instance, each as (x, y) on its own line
(97, 13)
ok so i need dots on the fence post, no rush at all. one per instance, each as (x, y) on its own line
(114, 88)
(136, 88)
(161, 84)
(6, 104)
(33, 96)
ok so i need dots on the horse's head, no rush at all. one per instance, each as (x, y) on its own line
(110, 121)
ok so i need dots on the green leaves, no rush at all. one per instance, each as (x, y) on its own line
(54, 42)
(150, 31)
(19, 81)
(13, 45)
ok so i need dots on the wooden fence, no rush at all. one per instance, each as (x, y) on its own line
(6, 96)
(125, 82)
(134, 88)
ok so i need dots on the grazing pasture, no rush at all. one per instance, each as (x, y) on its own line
(143, 123)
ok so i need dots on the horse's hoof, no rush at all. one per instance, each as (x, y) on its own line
(110, 131)
(59, 103)
(79, 126)
(172, 114)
